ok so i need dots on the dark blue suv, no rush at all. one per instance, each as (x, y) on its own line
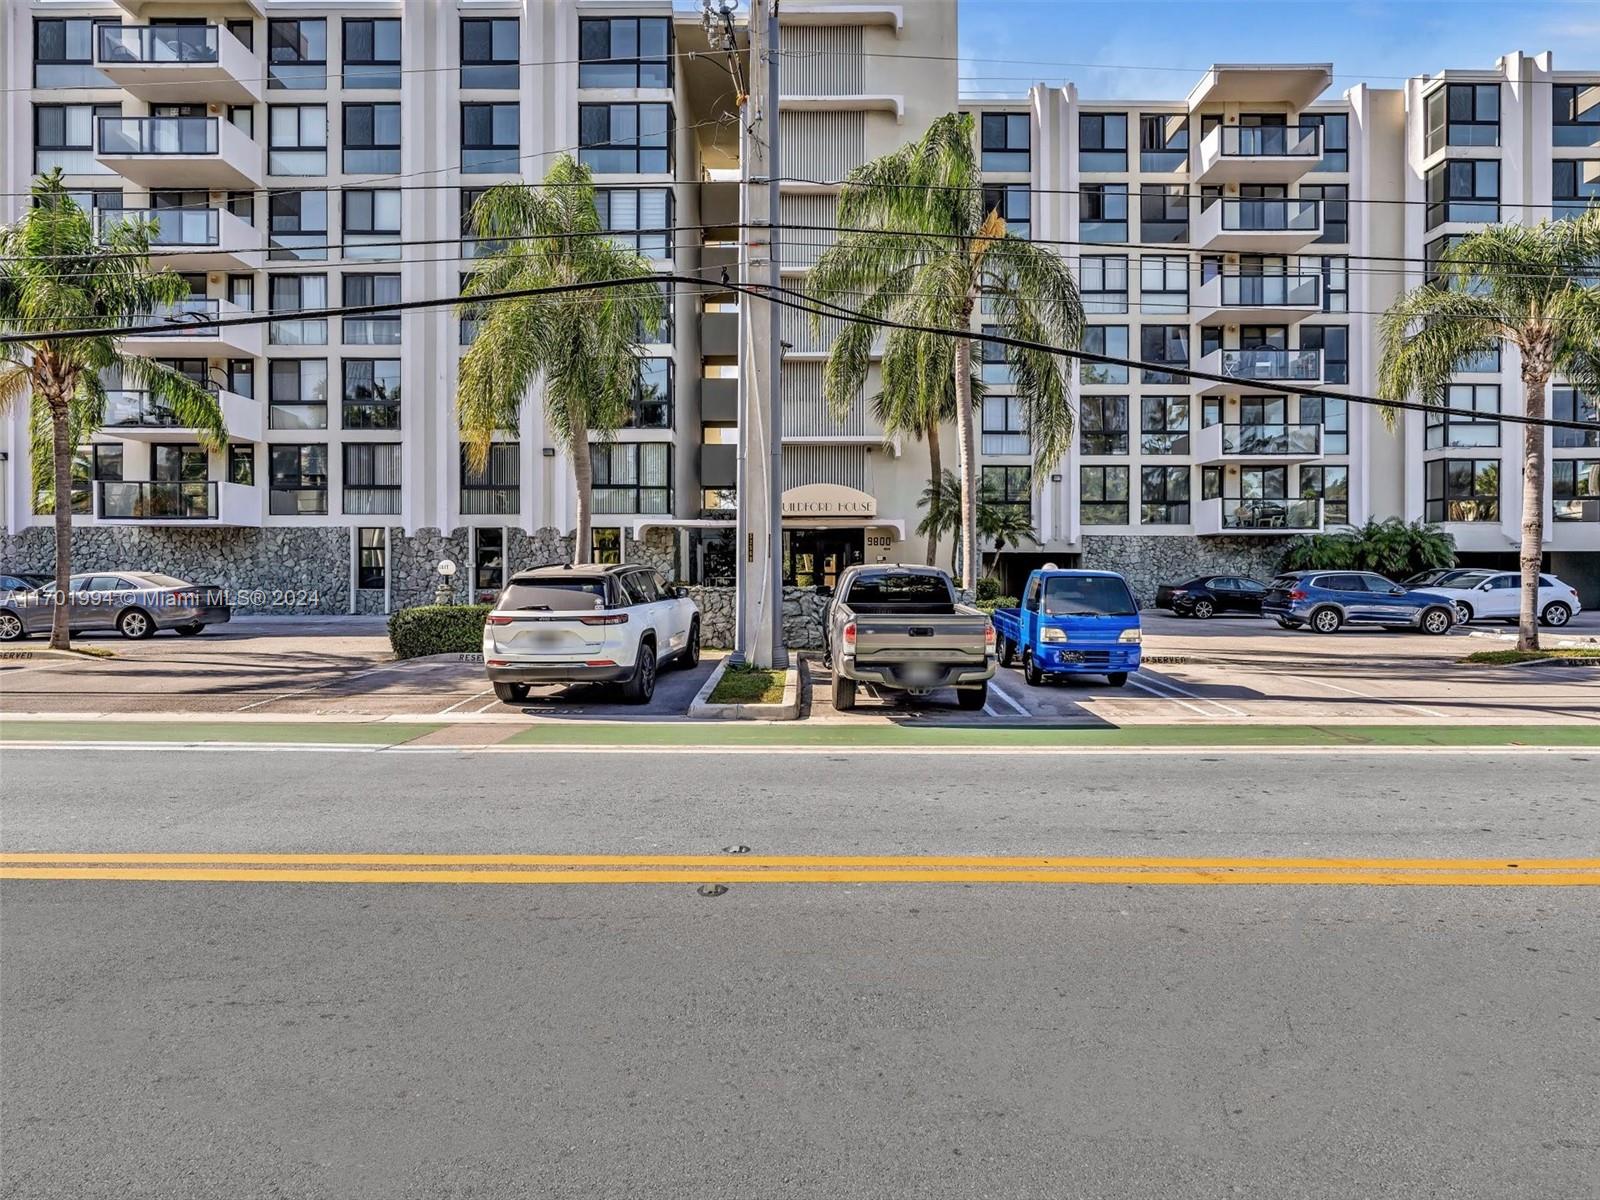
(1327, 600)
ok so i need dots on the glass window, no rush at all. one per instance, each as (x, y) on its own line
(242, 464)
(1464, 190)
(625, 139)
(297, 139)
(1575, 114)
(1005, 425)
(298, 480)
(361, 290)
(297, 54)
(1164, 425)
(632, 477)
(1011, 486)
(64, 136)
(1335, 283)
(1335, 199)
(1164, 344)
(640, 217)
(244, 32)
(371, 551)
(1574, 186)
(1006, 140)
(491, 136)
(489, 52)
(605, 548)
(495, 490)
(624, 52)
(1462, 114)
(1102, 424)
(1110, 340)
(488, 561)
(1163, 141)
(1104, 208)
(1164, 496)
(371, 393)
(1331, 485)
(1457, 431)
(63, 52)
(372, 477)
(1333, 414)
(371, 139)
(1334, 342)
(1462, 489)
(371, 53)
(1102, 141)
(1163, 212)
(1014, 203)
(1569, 404)
(297, 393)
(1164, 283)
(1575, 489)
(298, 225)
(293, 293)
(652, 401)
(371, 223)
(1103, 283)
(1335, 130)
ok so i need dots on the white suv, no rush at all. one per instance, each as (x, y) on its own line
(588, 624)
(1497, 596)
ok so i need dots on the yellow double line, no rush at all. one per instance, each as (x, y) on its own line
(743, 869)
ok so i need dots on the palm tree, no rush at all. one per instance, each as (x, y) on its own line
(1004, 524)
(1527, 286)
(56, 275)
(925, 252)
(941, 505)
(584, 345)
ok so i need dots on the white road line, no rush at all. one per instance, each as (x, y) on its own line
(361, 674)
(1349, 691)
(988, 710)
(996, 689)
(468, 700)
(495, 703)
(1198, 711)
(1162, 682)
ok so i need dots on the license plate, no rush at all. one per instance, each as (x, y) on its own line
(921, 674)
(1071, 656)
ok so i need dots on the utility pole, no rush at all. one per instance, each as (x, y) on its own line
(759, 599)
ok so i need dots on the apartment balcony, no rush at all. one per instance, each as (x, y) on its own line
(1245, 299)
(1258, 153)
(171, 502)
(139, 416)
(1258, 226)
(167, 64)
(719, 335)
(230, 341)
(719, 401)
(719, 466)
(1227, 516)
(194, 239)
(1272, 445)
(137, 8)
(191, 152)
(1257, 371)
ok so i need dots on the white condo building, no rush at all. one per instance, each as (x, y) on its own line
(298, 156)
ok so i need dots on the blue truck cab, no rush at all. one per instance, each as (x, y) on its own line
(1071, 623)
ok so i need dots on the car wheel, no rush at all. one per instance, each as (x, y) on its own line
(1556, 614)
(135, 623)
(971, 698)
(190, 630)
(689, 658)
(11, 627)
(642, 686)
(1463, 613)
(511, 693)
(1436, 621)
(1030, 671)
(1204, 609)
(1007, 652)
(1326, 620)
(844, 693)
(1117, 678)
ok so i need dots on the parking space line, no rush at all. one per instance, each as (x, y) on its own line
(495, 703)
(1349, 691)
(1196, 709)
(468, 700)
(1163, 682)
(995, 687)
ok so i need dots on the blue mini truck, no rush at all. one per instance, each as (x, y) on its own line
(1071, 623)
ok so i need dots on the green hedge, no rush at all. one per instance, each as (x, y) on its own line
(438, 629)
(990, 605)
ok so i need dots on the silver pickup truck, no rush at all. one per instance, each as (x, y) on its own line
(901, 627)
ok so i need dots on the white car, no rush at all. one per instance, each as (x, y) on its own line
(1497, 596)
(588, 624)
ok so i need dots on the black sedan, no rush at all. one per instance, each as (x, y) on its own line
(1207, 595)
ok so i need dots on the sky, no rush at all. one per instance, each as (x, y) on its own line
(1126, 49)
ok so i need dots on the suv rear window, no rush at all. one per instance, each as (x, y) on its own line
(554, 595)
(893, 587)
(1087, 595)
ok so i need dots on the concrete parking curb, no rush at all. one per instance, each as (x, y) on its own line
(787, 709)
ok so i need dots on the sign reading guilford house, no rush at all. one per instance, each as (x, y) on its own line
(824, 500)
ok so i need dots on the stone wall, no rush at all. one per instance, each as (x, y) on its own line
(1149, 561)
(802, 616)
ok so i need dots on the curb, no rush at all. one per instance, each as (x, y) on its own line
(787, 709)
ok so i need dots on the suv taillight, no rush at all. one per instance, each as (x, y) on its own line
(499, 620)
(1297, 594)
(605, 619)
(849, 634)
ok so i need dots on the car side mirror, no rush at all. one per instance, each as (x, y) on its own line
(1483, 587)
(682, 593)
(1397, 591)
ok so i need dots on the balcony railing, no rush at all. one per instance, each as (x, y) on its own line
(490, 501)
(1271, 141)
(1250, 440)
(141, 44)
(1584, 508)
(1271, 514)
(1269, 363)
(137, 410)
(157, 135)
(1271, 216)
(195, 308)
(1006, 443)
(173, 226)
(157, 500)
(1271, 291)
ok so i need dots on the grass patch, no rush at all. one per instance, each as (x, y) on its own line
(1499, 658)
(743, 684)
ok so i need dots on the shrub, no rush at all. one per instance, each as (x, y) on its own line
(995, 602)
(988, 588)
(438, 629)
(1391, 548)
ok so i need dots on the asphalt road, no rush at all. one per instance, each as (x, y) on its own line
(184, 1040)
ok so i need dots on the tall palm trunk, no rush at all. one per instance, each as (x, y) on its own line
(935, 479)
(48, 379)
(583, 477)
(967, 535)
(1535, 375)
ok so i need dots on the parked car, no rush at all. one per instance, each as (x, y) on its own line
(903, 628)
(22, 581)
(1207, 595)
(588, 624)
(1497, 595)
(1327, 600)
(134, 603)
(1436, 577)
(1072, 623)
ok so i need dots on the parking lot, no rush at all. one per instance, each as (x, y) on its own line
(1223, 670)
